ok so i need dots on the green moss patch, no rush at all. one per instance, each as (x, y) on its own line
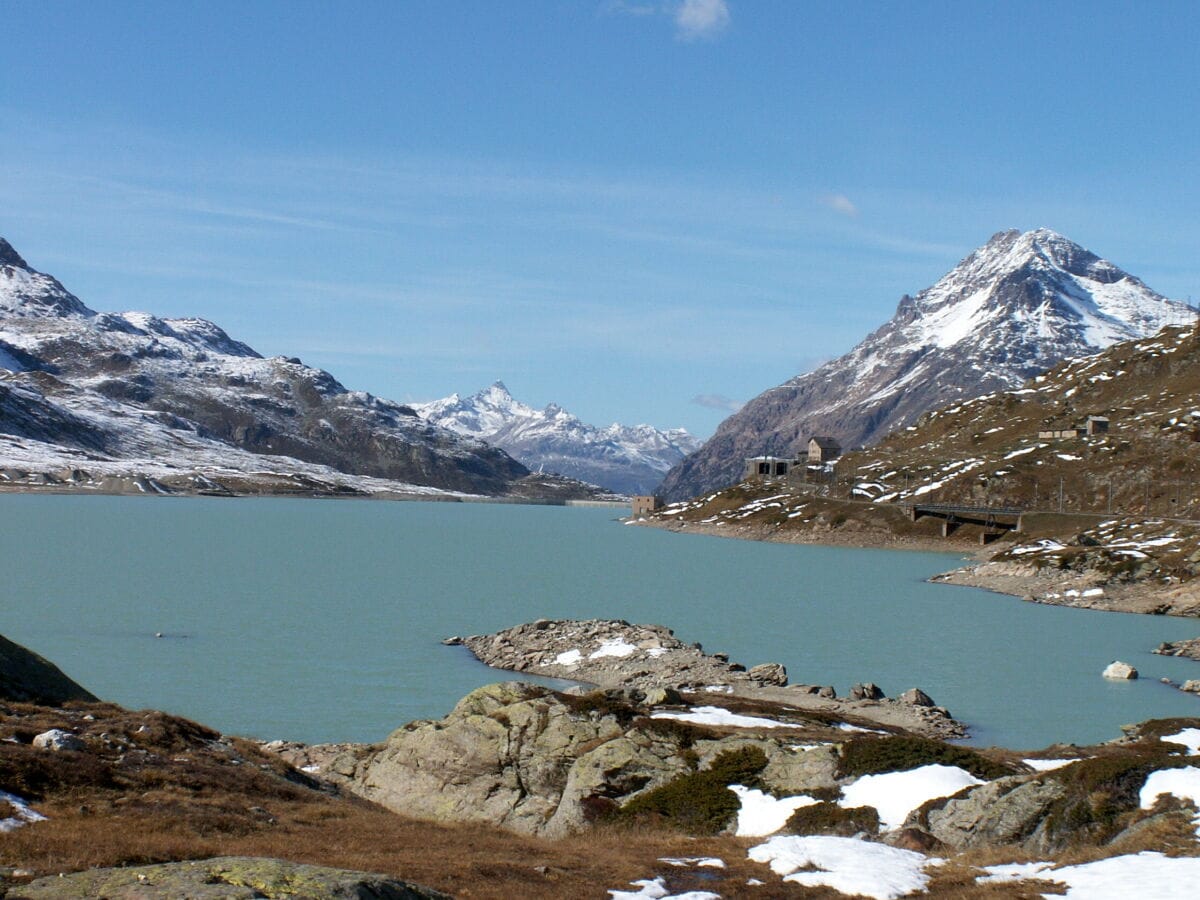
(872, 755)
(829, 818)
(701, 802)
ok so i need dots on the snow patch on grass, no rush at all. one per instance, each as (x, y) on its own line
(895, 794)
(847, 865)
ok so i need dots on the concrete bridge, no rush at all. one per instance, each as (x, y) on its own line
(995, 520)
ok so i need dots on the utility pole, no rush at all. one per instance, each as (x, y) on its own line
(1060, 493)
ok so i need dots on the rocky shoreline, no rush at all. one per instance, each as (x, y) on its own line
(1079, 589)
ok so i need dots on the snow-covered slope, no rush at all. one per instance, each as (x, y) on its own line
(1013, 308)
(130, 394)
(630, 459)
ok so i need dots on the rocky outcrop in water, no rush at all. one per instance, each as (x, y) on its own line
(223, 878)
(612, 653)
(28, 678)
(1189, 648)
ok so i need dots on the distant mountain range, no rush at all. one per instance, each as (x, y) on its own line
(1012, 309)
(628, 459)
(118, 401)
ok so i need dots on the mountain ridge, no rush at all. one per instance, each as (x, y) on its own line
(1011, 308)
(629, 459)
(134, 396)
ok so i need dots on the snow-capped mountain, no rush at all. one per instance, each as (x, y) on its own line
(629, 459)
(1016, 306)
(88, 396)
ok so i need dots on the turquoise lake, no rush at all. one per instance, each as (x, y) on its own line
(320, 620)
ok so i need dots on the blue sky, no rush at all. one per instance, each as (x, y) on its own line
(639, 210)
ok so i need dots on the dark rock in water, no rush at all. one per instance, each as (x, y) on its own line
(225, 878)
(866, 691)
(28, 678)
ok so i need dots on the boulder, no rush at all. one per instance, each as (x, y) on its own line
(1006, 811)
(916, 697)
(1192, 686)
(58, 740)
(866, 691)
(508, 754)
(28, 678)
(769, 673)
(1120, 670)
(539, 762)
(224, 878)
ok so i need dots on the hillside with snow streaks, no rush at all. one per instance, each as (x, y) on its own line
(1012, 309)
(88, 397)
(629, 459)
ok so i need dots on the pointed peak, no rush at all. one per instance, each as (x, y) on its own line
(10, 257)
(498, 387)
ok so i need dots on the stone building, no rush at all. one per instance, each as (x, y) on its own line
(644, 504)
(822, 449)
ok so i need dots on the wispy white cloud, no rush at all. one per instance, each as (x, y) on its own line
(718, 402)
(840, 203)
(694, 19)
(701, 19)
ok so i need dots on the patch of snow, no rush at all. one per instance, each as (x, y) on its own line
(614, 647)
(1182, 783)
(1011, 872)
(896, 794)
(23, 814)
(568, 658)
(656, 889)
(847, 865)
(1047, 765)
(700, 862)
(1147, 876)
(716, 715)
(1189, 737)
(761, 814)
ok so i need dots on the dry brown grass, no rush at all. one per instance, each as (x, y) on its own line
(157, 788)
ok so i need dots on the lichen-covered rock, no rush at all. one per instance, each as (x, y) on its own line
(223, 878)
(503, 755)
(28, 678)
(1005, 811)
(539, 762)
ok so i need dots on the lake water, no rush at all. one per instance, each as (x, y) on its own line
(320, 620)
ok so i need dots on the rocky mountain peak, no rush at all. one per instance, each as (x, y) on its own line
(626, 459)
(26, 292)
(1015, 306)
(10, 257)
